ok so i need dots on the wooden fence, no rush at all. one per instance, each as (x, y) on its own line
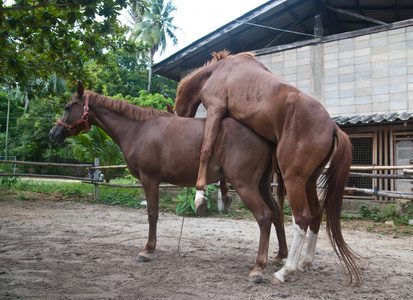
(407, 174)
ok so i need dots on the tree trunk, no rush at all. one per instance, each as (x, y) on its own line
(150, 71)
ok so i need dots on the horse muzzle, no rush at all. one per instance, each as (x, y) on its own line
(58, 134)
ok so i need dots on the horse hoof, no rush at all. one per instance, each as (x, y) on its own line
(278, 261)
(255, 278)
(201, 205)
(142, 258)
(227, 202)
(275, 280)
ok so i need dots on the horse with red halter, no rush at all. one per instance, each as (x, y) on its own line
(304, 134)
(161, 147)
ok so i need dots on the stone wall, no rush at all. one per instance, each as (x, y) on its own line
(371, 73)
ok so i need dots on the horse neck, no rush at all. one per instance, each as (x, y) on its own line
(114, 124)
(194, 86)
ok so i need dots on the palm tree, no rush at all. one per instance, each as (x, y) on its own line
(152, 26)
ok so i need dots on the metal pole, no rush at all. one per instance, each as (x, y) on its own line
(96, 179)
(7, 122)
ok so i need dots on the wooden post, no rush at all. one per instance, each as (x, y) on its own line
(96, 179)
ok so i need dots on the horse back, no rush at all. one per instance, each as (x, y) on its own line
(169, 149)
(262, 100)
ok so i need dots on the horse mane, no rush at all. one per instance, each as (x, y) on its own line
(216, 57)
(130, 111)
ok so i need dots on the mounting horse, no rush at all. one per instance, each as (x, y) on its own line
(304, 134)
(161, 147)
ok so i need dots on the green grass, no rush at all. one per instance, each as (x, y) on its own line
(63, 190)
(77, 191)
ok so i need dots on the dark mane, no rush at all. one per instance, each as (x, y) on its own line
(130, 111)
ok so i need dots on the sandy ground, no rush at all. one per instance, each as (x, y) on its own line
(73, 250)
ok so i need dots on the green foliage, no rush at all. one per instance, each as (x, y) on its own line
(185, 201)
(40, 38)
(8, 182)
(152, 26)
(287, 209)
(97, 144)
(24, 198)
(30, 136)
(15, 112)
(119, 196)
(126, 73)
(389, 213)
(348, 217)
(77, 190)
(156, 101)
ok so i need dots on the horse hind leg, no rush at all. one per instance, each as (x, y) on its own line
(277, 210)
(301, 219)
(226, 198)
(316, 215)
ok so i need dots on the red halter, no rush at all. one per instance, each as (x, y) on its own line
(84, 118)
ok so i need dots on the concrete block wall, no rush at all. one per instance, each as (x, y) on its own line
(367, 74)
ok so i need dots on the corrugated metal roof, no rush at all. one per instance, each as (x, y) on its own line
(282, 22)
(373, 118)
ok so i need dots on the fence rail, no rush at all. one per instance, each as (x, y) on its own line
(45, 164)
(408, 174)
(87, 180)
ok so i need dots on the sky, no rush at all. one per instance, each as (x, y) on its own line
(197, 18)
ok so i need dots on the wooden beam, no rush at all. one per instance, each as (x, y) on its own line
(45, 164)
(349, 13)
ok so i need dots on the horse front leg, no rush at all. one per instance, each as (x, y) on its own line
(316, 216)
(213, 120)
(278, 222)
(152, 199)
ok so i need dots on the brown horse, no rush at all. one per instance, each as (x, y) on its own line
(162, 147)
(243, 88)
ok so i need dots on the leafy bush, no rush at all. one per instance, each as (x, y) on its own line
(185, 201)
(389, 213)
(8, 182)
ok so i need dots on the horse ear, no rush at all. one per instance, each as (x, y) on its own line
(80, 89)
(169, 108)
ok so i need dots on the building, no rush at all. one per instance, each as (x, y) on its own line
(354, 56)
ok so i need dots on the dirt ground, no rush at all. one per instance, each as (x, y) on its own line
(77, 250)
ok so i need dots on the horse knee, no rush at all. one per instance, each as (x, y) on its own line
(303, 220)
(264, 219)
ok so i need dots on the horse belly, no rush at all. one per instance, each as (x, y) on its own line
(180, 156)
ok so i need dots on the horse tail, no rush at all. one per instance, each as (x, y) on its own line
(336, 178)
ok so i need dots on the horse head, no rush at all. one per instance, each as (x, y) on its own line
(183, 106)
(188, 93)
(75, 118)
